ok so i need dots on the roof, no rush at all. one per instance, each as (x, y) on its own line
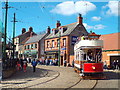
(36, 38)
(70, 28)
(23, 42)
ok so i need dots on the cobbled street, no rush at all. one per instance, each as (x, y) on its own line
(57, 77)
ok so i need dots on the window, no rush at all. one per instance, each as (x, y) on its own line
(48, 43)
(28, 46)
(64, 41)
(57, 42)
(53, 43)
(31, 46)
(35, 45)
(25, 47)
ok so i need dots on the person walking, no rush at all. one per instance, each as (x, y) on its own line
(21, 63)
(73, 63)
(65, 63)
(25, 64)
(114, 65)
(117, 65)
(105, 65)
(34, 63)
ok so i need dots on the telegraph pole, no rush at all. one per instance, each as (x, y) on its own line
(14, 21)
(5, 31)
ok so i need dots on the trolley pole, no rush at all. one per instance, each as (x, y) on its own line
(59, 50)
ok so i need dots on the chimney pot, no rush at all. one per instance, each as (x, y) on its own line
(58, 24)
(23, 30)
(30, 29)
(80, 19)
(48, 29)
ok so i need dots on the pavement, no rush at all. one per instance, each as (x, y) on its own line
(58, 77)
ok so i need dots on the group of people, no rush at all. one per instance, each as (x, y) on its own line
(22, 64)
(115, 65)
(48, 62)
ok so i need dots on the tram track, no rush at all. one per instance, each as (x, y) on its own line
(94, 85)
(58, 74)
(22, 82)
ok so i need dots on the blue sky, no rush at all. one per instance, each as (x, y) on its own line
(100, 17)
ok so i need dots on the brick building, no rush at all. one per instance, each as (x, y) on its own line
(67, 35)
(111, 50)
(34, 47)
(20, 40)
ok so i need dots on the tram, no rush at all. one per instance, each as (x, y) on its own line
(88, 54)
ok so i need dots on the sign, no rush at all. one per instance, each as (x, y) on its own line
(74, 39)
(63, 48)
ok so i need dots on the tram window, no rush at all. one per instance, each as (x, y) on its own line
(84, 56)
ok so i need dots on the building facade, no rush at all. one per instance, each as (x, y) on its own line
(111, 49)
(65, 36)
(20, 40)
(34, 47)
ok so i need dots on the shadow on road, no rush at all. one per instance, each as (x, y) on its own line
(112, 75)
(28, 75)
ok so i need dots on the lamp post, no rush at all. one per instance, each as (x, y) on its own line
(59, 49)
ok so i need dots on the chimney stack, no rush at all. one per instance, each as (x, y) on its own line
(48, 29)
(80, 19)
(30, 29)
(23, 30)
(58, 24)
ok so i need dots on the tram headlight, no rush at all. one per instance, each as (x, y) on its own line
(93, 67)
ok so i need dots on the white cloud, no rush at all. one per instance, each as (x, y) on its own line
(96, 18)
(99, 26)
(113, 8)
(95, 27)
(69, 8)
(88, 26)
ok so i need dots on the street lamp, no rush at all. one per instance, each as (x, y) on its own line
(59, 49)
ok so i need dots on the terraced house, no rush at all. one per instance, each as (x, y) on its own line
(20, 40)
(67, 36)
(34, 47)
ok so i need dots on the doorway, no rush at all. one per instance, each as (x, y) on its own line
(112, 58)
(61, 60)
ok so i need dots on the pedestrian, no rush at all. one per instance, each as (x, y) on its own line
(24, 65)
(29, 60)
(34, 63)
(114, 65)
(105, 65)
(65, 63)
(73, 63)
(18, 65)
(117, 65)
(21, 63)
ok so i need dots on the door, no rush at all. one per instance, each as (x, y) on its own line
(61, 60)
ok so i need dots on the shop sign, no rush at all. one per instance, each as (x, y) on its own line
(74, 39)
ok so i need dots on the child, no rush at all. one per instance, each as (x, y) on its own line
(18, 66)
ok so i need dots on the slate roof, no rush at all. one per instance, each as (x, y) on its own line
(36, 38)
(70, 28)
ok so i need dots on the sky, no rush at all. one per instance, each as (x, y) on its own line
(100, 17)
